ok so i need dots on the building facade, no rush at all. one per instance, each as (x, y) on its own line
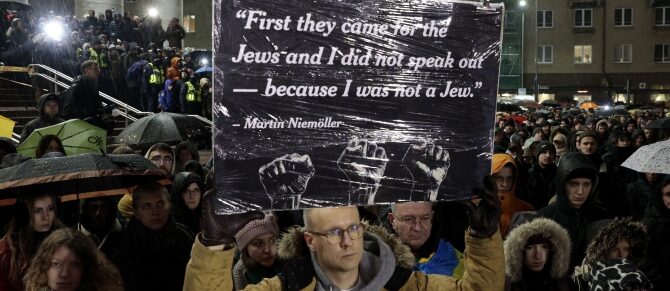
(606, 51)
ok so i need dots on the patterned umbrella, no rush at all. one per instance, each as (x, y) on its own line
(77, 177)
(653, 158)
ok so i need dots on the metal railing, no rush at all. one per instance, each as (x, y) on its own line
(53, 76)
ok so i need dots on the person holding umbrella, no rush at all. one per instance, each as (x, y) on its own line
(35, 217)
(49, 144)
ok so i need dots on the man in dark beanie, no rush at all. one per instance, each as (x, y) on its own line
(541, 175)
(575, 183)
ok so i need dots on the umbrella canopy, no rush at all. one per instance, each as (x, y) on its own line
(662, 123)
(204, 70)
(612, 111)
(528, 104)
(552, 103)
(653, 158)
(77, 136)
(79, 176)
(589, 105)
(6, 127)
(165, 127)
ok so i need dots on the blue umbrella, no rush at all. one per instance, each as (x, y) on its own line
(204, 70)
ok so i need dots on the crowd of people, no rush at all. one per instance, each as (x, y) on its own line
(561, 214)
(139, 62)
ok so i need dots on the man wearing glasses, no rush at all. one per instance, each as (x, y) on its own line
(412, 223)
(334, 252)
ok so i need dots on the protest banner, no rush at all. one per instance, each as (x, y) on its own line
(330, 103)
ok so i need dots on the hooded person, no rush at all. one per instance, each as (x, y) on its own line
(640, 192)
(541, 175)
(505, 173)
(576, 181)
(639, 139)
(99, 223)
(559, 137)
(172, 72)
(657, 220)
(617, 275)
(49, 106)
(184, 152)
(186, 194)
(537, 256)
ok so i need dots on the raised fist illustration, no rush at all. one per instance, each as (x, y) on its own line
(363, 163)
(285, 179)
(428, 165)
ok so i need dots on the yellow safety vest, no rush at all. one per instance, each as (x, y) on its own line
(97, 58)
(156, 77)
(191, 94)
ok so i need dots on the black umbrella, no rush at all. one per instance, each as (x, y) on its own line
(170, 128)
(663, 123)
(79, 176)
(552, 103)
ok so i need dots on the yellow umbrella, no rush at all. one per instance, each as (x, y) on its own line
(589, 105)
(6, 127)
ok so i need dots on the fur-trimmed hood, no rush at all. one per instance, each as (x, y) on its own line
(292, 245)
(609, 235)
(515, 245)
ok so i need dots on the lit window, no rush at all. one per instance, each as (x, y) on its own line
(583, 54)
(189, 23)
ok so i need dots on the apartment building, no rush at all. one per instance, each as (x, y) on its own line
(601, 50)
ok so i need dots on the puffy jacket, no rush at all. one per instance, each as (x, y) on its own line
(210, 268)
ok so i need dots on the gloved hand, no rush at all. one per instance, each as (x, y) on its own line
(221, 229)
(485, 216)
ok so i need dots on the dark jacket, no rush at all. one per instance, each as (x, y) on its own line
(174, 35)
(638, 195)
(555, 272)
(43, 120)
(153, 260)
(657, 220)
(574, 220)
(189, 218)
(82, 100)
(541, 180)
(7, 147)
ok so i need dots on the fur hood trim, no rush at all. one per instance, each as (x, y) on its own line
(515, 245)
(292, 245)
(609, 235)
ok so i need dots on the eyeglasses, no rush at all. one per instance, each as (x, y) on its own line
(336, 236)
(412, 220)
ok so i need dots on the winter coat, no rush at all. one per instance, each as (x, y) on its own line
(82, 100)
(554, 274)
(509, 202)
(210, 268)
(42, 120)
(192, 148)
(189, 218)
(255, 273)
(574, 220)
(105, 237)
(153, 260)
(172, 72)
(541, 180)
(638, 195)
(166, 100)
(657, 220)
(174, 35)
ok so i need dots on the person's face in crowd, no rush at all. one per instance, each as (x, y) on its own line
(587, 145)
(44, 213)
(153, 210)
(504, 179)
(93, 71)
(191, 196)
(412, 222)
(509, 128)
(538, 136)
(51, 108)
(622, 119)
(535, 256)
(630, 127)
(546, 157)
(545, 129)
(647, 133)
(639, 140)
(185, 155)
(621, 250)
(263, 250)
(97, 212)
(163, 160)
(577, 126)
(558, 143)
(498, 137)
(602, 128)
(501, 123)
(91, 13)
(666, 195)
(52, 147)
(590, 125)
(66, 270)
(578, 190)
(333, 256)
(623, 142)
(651, 177)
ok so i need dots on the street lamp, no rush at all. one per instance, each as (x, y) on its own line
(153, 12)
(522, 3)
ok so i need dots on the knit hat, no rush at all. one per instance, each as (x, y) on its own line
(254, 229)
